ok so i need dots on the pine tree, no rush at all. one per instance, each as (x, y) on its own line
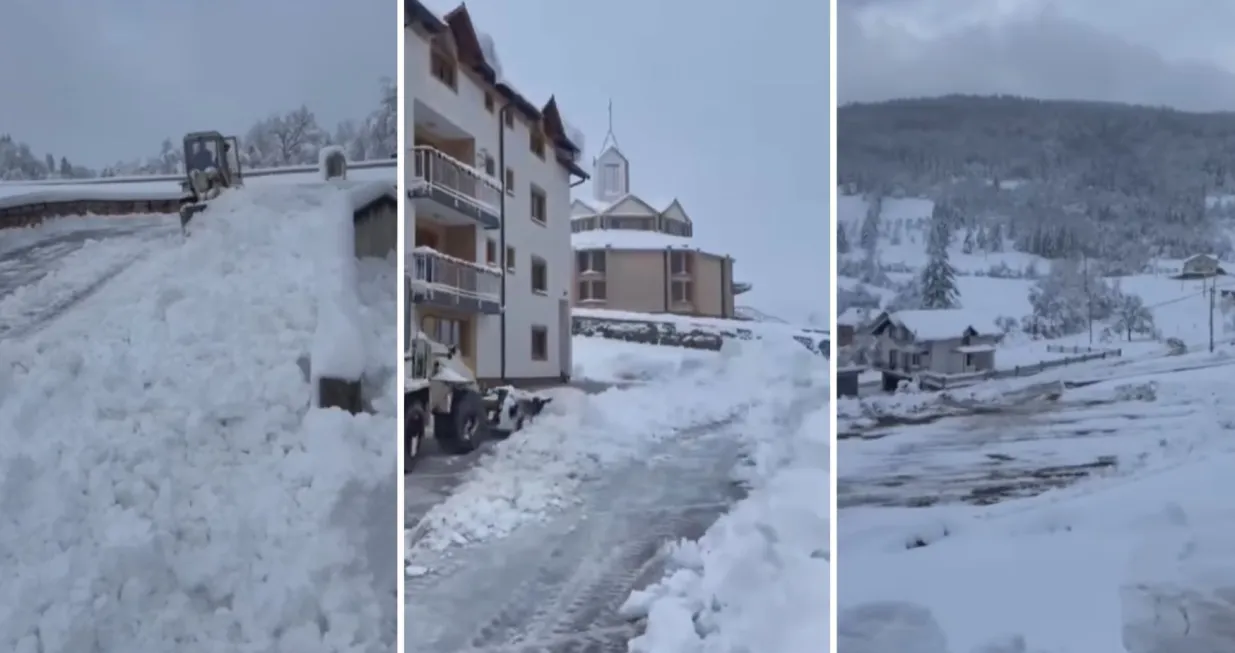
(994, 241)
(938, 281)
(967, 244)
(842, 241)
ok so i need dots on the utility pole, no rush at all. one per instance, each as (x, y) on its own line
(1088, 298)
(1213, 292)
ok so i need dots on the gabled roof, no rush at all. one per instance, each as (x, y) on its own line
(629, 201)
(937, 324)
(415, 13)
(458, 22)
(616, 150)
(612, 208)
(675, 204)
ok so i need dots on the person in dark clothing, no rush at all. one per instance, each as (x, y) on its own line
(202, 158)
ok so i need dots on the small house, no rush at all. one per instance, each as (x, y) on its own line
(939, 341)
(1201, 266)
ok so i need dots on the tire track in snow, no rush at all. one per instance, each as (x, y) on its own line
(556, 587)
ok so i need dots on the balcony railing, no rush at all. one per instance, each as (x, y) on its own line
(436, 270)
(439, 170)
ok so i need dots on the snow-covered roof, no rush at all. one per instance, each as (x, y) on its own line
(1196, 258)
(943, 323)
(628, 239)
(854, 316)
(587, 208)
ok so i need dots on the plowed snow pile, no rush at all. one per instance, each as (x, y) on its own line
(165, 485)
(758, 578)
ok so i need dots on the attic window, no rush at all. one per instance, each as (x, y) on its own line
(510, 119)
(443, 68)
(536, 141)
(611, 178)
(489, 105)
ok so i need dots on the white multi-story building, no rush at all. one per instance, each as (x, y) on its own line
(487, 223)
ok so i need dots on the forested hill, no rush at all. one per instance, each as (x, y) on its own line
(1113, 181)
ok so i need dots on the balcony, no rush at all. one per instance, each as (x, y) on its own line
(447, 282)
(452, 191)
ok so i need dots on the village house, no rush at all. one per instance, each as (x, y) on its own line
(1201, 266)
(939, 342)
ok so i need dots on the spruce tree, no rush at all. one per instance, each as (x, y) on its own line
(938, 279)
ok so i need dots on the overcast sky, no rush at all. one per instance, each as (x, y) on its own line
(105, 80)
(727, 110)
(1178, 53)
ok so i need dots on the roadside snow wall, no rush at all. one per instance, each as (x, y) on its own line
(165, 483)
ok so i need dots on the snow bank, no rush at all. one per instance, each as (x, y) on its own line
(617, 361)
(338, 344)
(165, 483)
(579, 435)
(758, 578)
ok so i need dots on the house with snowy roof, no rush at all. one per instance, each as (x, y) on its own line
(939, 341)
(1201, 266)
(636, 254)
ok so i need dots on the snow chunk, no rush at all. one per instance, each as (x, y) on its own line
(338, 344)
(488, 49)
(328, 155)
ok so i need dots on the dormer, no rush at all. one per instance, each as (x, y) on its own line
(611, 177)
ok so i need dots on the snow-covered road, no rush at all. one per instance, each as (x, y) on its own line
(541, 544)
(557, 585)
(1096, 522)
(46, 270)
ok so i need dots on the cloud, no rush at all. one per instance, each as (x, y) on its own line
(107, 80)
(907, 48)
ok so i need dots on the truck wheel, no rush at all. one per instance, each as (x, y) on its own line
(414, 420)
(467, 424)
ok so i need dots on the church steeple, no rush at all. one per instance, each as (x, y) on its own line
(611, 170)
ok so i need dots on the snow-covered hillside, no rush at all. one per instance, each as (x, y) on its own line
(994, 280)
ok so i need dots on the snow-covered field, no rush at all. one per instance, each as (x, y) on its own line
(565, 519)
(1095, 522)
(166, 483)
(1180, 308)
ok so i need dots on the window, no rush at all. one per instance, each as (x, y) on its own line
(681, 292)
(539, 206)
(592, 291)
(443, 68)
(451, 333)
(611, 178)
(510, 181)
(591, 262)
(540, 276)
(968, 361)
(490, 166)
(540, 343)
(536, 141)
(510, 119)
(489, 104)
(510, 259)
(491, 252)
(680, 262)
